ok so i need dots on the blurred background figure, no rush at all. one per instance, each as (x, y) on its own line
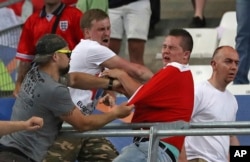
(243, 40)
(133, 17)
(198, 20)
(85, 5)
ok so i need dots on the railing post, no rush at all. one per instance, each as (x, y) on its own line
(153, 144)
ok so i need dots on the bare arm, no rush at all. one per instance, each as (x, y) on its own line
(96, 121)
(86, 81)
(234, 141)
(23, 68)
(33, 123)
(183, 156)
(129, 84)
(139, 72)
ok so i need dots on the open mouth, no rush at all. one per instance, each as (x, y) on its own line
(105, 40)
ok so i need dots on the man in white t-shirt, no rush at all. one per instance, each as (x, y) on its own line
(213, 102)
(91, 55)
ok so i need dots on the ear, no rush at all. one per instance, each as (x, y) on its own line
(54, 57)
(187, 54)
(213, 64)
(86, 33)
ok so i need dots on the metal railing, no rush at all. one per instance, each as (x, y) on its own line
(158, 130)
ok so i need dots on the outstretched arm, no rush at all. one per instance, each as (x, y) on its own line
(129, 84)
(96, 121)
(86, 81)
(33, 123)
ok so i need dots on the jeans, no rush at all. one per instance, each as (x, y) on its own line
(133, 153)
(243, 40)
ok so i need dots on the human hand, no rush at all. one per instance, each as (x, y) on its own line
(113, 73)
(33, 123)
(122, 110)
(108, 99)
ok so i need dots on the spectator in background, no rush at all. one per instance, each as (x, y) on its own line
(85, 5)
(213, 102)
(243, 40)
(198, 20)
(155, 16)
(31, 124)
(133, 17)
(43, 22)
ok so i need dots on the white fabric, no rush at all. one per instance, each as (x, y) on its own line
(211, 105)
(87, 57)
(134, 18)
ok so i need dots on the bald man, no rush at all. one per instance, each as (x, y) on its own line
(213, 102)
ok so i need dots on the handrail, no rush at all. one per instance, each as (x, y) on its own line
(157, 130)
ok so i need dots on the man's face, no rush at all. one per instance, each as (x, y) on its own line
(63, 61)
(225, 64)
(173, 52)
(99, 31)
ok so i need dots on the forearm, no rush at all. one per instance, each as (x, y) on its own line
(129, 84)
(97, 121)
(11, 126)
(234, 141)
(85, 81)
(23, 68)
(141, 73)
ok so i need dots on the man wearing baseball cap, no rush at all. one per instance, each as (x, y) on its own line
(42, 95)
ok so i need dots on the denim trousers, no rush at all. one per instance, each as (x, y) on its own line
(243, 40)
(133, 153)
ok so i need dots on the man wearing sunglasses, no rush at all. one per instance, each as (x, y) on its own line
(42, 95)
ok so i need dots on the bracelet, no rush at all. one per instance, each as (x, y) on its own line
(110, 85)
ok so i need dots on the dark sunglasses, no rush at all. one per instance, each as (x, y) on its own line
(65, 51)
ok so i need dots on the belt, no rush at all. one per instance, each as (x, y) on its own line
(137, 140)
(14, 151)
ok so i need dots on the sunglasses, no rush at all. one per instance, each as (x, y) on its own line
(65, 51)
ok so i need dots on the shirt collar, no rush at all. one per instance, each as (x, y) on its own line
(57, 12)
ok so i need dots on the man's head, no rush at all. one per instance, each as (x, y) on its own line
(95, 24)
(225, 64)
(177, 47)
(52, 48)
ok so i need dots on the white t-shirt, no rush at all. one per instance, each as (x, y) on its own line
(87, 57)
(211, 105)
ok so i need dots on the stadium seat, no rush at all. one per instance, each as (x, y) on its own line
(228, 22)
(205, 42)
(239, 89)
(201, 72)
(228, 38)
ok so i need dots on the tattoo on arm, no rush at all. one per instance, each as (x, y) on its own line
(70, 112)
(64, 79)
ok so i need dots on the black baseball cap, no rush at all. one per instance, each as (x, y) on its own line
(47, 45)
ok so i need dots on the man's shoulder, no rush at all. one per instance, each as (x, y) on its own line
(73, 10)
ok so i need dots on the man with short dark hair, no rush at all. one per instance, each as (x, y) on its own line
(168, 96)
